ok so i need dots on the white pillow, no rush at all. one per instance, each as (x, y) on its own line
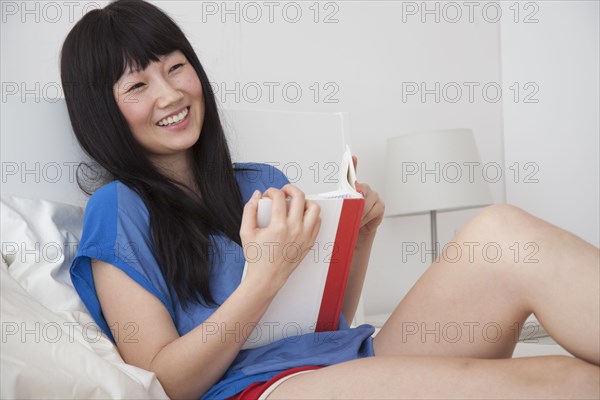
(51, 347)
(39, 241)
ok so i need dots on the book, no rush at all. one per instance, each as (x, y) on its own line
(311, 300)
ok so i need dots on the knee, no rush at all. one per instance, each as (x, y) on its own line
(496, 219)
(499, 213)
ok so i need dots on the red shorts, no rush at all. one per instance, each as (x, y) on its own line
(254, 390)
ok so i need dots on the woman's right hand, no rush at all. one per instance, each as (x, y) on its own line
(275, 251)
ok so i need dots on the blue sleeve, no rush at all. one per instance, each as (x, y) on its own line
(273, 177)
(258, 176)
(116, 230)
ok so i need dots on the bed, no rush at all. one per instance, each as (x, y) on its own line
(51, 347)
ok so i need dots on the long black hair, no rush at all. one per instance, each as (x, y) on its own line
(95, 54)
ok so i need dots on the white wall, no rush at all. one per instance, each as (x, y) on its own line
(558, 135)
(363, 60)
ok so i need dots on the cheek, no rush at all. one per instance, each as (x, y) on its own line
(198, 91)
(193, 84)
(135, 108)
(136, 117)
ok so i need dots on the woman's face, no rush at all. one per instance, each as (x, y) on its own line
(163, 105)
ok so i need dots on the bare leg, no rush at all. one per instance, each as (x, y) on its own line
(475, 292)
(422, 377)
(474, 305)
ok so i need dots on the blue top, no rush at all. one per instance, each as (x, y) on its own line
(116, 230)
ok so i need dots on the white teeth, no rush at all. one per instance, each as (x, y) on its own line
(173, 119)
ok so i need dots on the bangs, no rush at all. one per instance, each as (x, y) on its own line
(136, 36)
(136, 53)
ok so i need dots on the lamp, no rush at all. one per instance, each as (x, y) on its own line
(434, 171)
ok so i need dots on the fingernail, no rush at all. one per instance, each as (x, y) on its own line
(256, 194)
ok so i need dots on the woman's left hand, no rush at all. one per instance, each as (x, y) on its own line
(374, 207)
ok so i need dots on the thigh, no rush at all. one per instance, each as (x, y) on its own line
(412, 377)
(453, 312)
(467, 306)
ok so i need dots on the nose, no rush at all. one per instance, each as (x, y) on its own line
(168, 94)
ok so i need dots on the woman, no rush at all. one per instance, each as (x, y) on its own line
(161, 255)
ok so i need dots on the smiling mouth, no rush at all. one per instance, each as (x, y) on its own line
(174, 119)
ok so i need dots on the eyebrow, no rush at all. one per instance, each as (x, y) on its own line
(130, 71)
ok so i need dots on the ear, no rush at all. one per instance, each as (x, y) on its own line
(355, 162)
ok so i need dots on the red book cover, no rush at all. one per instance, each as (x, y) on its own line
(311, 299)
(339, 267)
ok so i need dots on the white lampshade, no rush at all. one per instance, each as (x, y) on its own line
(436, 170)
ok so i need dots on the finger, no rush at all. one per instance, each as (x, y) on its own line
(316, 229)
(314, 233)
(297, 204)
(249, 223)
(370, 200)
(373, 213)
(279, 208)
(355, 162)
(372, 225)
(311, 215)
(365, 217)
(363, 189)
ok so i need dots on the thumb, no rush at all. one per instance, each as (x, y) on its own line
(355, 162)
(249, 216)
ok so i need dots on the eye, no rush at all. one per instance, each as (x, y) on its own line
(176, 66)
(135, 87)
